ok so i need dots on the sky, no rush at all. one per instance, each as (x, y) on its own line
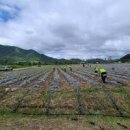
(67, 28)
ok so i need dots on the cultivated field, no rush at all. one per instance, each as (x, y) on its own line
(77, 94)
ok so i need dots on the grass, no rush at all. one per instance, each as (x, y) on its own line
(9, 121)
(93, 100)
(63, 104)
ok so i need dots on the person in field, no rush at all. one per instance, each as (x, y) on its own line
(103, 73)
(96, 69)
(70, 68)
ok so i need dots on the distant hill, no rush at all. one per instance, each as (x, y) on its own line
(16, 55)
(12, 54)
(97, 60)
(125, 58)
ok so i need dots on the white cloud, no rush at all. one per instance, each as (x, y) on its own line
(64, 28)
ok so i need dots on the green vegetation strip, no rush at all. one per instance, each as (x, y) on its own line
(16, 106)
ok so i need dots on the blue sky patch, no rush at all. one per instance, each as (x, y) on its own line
(5, 16)
(11, 13)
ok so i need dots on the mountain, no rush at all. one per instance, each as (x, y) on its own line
(12, 54)
(125, 58)
(97, 60)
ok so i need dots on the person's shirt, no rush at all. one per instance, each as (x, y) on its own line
(102, 70)
(96, 68)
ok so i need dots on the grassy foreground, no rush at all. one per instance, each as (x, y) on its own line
(10, 121)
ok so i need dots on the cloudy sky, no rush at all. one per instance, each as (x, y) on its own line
(67, 28)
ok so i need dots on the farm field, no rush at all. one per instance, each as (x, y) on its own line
(66, 96)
